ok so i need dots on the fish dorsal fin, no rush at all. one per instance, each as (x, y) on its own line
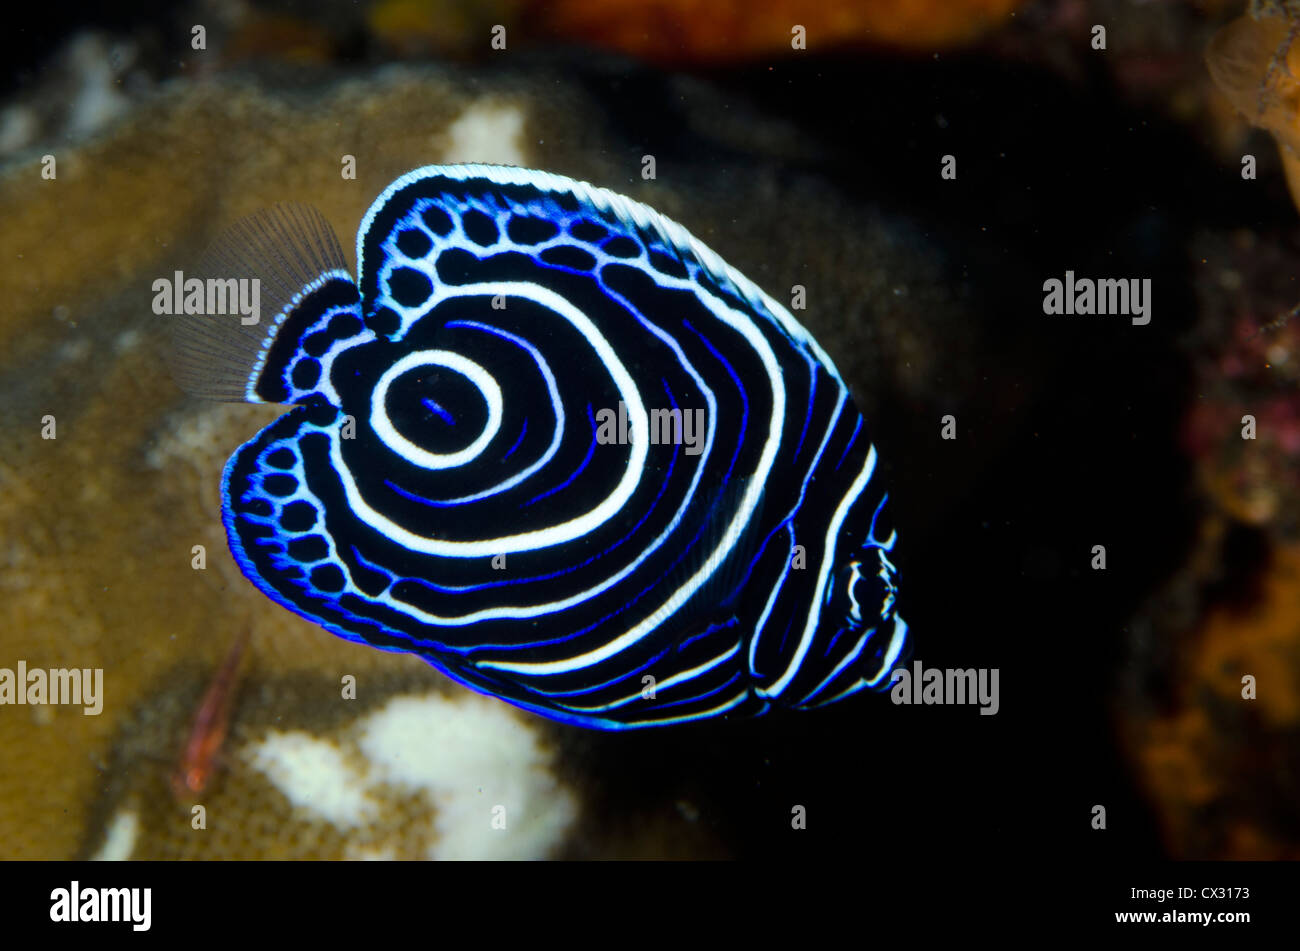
(436, 189)
(293, 256)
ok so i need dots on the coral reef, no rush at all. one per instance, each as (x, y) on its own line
(1218, 753)
(1217, 757)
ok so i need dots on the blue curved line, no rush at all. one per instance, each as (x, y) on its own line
(371, 566)
(812, 398)
(433, 407)
(780, 648)
(663, 487)
(871, 537)
(518, 442)
(622, 676)
(744, 420)
(699, 696)
(550, 576)
(831, 646)
(432, 503)
(852, 439)
(591, 451)
(711, 629)
(557, 406)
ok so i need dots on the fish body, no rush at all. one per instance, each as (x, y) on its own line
(550, 442)
(198, 760)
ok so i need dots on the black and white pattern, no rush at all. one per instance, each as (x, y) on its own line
(446, 485)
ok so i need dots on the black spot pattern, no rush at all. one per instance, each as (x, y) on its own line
(409, 287)
(414, 243)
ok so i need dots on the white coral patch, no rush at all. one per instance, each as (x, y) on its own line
(485, 773)
(120, 838)
(315, 776)
(481, 771)
(488, 131)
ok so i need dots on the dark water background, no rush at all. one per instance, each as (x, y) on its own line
(1073, 442)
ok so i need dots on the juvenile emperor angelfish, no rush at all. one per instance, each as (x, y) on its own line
(555, 446)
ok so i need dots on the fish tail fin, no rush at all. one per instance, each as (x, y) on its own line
(264, 286)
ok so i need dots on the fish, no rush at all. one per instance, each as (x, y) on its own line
(198, 761)
(551, 443)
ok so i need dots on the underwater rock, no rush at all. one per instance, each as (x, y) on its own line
(94, 80)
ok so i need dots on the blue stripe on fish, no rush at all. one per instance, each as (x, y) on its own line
(441, 487)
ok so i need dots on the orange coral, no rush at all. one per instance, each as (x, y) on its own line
(683, 30)
(1255, 63)
(1220, 754)
(1264, 643)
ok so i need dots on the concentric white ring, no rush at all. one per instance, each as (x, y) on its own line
(385, 430)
